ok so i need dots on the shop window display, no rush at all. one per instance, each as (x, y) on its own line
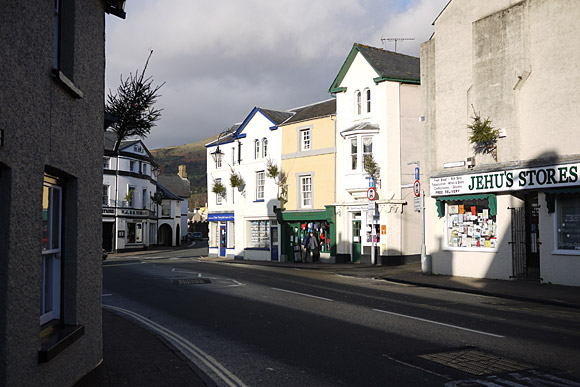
(469, 224)
(260, 234)
(568, 218)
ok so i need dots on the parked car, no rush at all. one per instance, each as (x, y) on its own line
(197, 236)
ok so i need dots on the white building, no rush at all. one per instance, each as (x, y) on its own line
(513, 212)
(176, 191)
(378, 105)
(129, 185)
(242, 220)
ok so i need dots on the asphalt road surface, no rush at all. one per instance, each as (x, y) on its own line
(249, 325)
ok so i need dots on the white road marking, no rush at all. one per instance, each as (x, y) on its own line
(191, 351)
(303, 294)
(236, 283)
(106, 295)
(124, 264)
(438, 323)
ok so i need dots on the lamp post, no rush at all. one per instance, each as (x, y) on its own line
(425, 263)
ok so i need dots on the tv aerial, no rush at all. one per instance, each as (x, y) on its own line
(383, 40)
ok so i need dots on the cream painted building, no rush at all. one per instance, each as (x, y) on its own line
(378, 105)
(514, 213)
(308, 160)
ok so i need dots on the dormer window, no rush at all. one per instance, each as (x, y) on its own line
(137, 148)
(358, 100)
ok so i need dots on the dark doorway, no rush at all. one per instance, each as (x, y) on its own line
(525, 241)
(108, 236)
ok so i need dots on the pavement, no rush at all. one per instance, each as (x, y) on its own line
(135, 356)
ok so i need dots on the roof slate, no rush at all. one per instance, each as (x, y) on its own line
(175, 184)
(277, 116)
(316, 110)
(391, 64)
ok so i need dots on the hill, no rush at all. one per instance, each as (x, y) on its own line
(194, 156)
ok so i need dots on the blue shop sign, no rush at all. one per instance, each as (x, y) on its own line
(227, 217)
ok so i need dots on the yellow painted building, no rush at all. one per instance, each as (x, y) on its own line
(308, 162)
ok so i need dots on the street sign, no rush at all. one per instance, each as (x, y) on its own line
(417, 204)
(371, 194)
(371, 182)
(416, 173)
(417, 188)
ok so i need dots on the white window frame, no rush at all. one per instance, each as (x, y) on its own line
(138, 232)
(557, 227)
(131, 203)
(353, 159)
(260, 185)
(365, 152)
(166, 208)
(367, 95)
(144, 192)
(131, 165)
(305, 139)
(51, 252)
(306, 190)
(218, 198)
(231, 242)
(256, 149)
(106, 188)
(264, 147)
(106, 162)
(358, 102)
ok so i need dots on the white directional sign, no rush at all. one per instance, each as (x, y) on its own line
(417, 204)
(417, 188)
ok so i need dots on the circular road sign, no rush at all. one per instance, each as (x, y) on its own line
(417, 188)
(371, 194)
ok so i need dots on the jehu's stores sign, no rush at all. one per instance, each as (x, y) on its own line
(564, 175)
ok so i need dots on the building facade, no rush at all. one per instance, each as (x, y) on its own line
(378, 105)
(242, 218)
(509, 209)
(130, 213)
(178, 185)
(308, 161)
(51, 148)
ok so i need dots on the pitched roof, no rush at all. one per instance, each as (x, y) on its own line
(315, 110)
(389, 66)
(276, 116)
(175, 184)
(166, 194)
(228, 136)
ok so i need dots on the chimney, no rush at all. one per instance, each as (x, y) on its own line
(182, 172)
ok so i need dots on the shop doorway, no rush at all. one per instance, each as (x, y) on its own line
(274, 243)
(223, 241)
(356, 240)
(526, 239)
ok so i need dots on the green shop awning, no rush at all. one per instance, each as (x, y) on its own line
(491, 198)
(551, 196)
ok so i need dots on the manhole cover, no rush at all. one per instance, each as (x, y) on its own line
(476, 362)
(191, 281)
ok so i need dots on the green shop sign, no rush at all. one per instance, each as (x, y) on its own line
(509, 180)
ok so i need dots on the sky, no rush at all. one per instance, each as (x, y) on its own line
(221, 58)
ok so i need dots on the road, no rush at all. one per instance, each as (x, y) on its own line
(270, 326)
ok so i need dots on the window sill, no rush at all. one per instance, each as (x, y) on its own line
(67, 83)
(258, 248)
(259, 201)
(56, 339)
(472, 249)
(566, 252)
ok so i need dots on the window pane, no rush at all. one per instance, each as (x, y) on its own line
(45, 218)
(470, 224)
(367, 145)
(55, 221)
(368, 101)
(568, 227)
(353, 153)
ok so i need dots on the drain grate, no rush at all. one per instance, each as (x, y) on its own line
(191, 281)
(476, 362)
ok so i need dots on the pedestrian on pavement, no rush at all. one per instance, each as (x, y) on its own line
(313, 247)
(305, 243)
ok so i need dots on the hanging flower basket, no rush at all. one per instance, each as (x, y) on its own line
(218, 188)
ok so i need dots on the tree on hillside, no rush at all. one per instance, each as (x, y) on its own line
(134, 106)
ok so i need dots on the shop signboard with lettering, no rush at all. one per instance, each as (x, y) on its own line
(556, 176)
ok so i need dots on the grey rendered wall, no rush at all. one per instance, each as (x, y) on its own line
(46, 127)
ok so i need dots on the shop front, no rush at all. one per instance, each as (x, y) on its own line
(295, 226)
(221, 233)
(508, 224)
